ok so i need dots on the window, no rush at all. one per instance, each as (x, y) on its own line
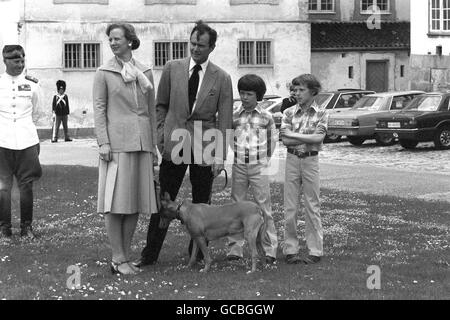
(255, 53)
(81, 55)
(440, 15)
(370, 6)
(398, 103)
(402, 71)
(350, 72)
(321, 5)
(169, 50)
(347, 100)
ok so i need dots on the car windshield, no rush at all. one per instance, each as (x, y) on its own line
(371, 103)
(425, 103)
(322, 99)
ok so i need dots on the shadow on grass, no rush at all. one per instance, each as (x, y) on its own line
(407, 239)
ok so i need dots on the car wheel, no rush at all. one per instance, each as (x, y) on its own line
(333, 138)
(408, 144)
(356, 141)
(385, 139)
(442, 138)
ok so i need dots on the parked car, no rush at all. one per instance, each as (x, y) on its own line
(237, 101)
(274, 107)
(338, 101)
(359, 123)
(427, 118)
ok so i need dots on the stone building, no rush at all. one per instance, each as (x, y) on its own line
(361, 43)
(9, 23)
(430, 45)
(65, 39)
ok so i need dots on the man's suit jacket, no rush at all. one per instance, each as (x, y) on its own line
(126, 125)
(214, 107)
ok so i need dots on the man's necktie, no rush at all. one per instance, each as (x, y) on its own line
(193, 86)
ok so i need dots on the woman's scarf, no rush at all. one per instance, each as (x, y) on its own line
(130, 73)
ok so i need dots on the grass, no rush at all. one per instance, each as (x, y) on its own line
(408, 239)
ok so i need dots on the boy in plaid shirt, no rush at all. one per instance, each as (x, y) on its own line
(254, 142)
(303, 130)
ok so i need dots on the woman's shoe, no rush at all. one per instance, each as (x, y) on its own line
(134, 267)
(115, 268)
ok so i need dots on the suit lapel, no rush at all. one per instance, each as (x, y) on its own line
(184, 81)
(208, 81)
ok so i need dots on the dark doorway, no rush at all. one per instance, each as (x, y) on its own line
(377, 76)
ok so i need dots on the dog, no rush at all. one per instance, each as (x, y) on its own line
(205, 222)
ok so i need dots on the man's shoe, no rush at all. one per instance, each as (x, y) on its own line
(233, 257)
(27, 232)
(6, 232)
(293, 259)
(311, 259)
(54, 140)
(68, 140)
(143, 262)
(270, 260)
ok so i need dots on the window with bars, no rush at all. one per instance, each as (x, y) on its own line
(169, 50)
(255, 53)
(81, 55)
(369, 6)
(440, 15)
(321, 5)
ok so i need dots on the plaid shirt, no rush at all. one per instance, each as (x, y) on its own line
(254, 133)
(313, 120)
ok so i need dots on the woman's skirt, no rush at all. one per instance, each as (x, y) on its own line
(126, 184)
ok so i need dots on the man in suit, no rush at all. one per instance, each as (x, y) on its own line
(60, 107)
(192, 93)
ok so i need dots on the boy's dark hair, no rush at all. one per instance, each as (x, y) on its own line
(129, 32)
(203, 28)
(252, 82)
(309, 81)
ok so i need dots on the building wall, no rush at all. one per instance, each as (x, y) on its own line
(429, 71)
(332, 69)
(9, 18)
(52, 25)
(421, 42)
(350, 10)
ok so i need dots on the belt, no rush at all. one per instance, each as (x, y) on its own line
(302, 155)
(245, 158)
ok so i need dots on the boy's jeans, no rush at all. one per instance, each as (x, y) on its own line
(302, 172)
(243, 177)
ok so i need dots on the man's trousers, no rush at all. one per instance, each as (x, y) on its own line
(25, 166)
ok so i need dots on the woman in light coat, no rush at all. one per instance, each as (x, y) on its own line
(125, 123)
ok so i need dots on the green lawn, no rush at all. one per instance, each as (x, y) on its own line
(408, 239)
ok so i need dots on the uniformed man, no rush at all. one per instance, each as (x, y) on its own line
(60, 107)
(19, 142)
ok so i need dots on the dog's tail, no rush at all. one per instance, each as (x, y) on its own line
(263, 236)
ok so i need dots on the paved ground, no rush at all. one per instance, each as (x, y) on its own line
(422, 173)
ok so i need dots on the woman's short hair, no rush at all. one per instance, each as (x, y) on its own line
(128, 31)
(309, 81)
(252, 82)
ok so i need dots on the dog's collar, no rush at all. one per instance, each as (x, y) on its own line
(178, 216)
